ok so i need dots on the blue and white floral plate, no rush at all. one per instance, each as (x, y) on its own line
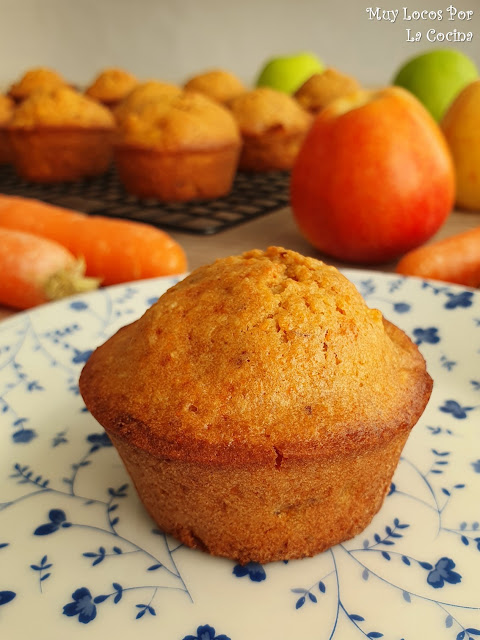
(79, 557)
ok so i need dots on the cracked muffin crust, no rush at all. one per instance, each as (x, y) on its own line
(144, 93)
(322, 88)
(217, 84)
(33, 80)
(260, 406)
(111, 86)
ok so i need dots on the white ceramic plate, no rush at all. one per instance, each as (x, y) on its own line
(79, 558)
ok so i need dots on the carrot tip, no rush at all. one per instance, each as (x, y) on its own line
(67, 282)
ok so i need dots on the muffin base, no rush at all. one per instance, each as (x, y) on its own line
(263, 513)
(181, 176)
(57, 154)
(270, 152)
(5, 154)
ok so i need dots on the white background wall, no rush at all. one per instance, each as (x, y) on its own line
(172, 39)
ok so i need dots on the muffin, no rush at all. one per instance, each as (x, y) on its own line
(217, 84)
(60, 135)
(7, 106)
(273, 126)
(179, 148)
(38, 79)
(111, 86)
(143, 94)
(321, 88)
(259, 406)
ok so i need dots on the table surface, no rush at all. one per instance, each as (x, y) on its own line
(279, 228)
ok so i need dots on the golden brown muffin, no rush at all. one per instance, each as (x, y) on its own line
(217, 84)
(143, 94)
(324, 87)
(38, 79)
(60, 135)
(111, 86)
(7, 107)
(259, 406)
(182, 147)
(273, 126)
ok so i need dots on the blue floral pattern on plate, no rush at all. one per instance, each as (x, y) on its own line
(79, 553)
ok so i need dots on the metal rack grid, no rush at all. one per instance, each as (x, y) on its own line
(252, 195)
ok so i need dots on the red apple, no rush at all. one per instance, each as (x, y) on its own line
(374, 177)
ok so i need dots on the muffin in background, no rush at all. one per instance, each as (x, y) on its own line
(181, 147)
(143, 94)
(38, 79)
(111, 86)
(7, 107)
(273, 126)
(60, 135)
(217, 84)
(259, 406)
(321, 88)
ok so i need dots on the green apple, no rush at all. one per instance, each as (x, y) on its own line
(288, 73)
(436, 78)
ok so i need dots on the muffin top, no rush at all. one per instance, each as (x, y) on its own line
(322, 88)
(187, 120)
(33, 80)
(7, 107)
(144, 93)
(111, 85)
(217, 84)
(263, 110)
(257, 356)
(61, 107)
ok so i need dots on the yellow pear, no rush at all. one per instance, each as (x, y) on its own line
(461, 126)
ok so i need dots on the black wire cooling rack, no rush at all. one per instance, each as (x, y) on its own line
(252, 195)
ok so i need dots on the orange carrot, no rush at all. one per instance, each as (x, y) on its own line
(34, 270)
(114, 250)
(455, 259)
